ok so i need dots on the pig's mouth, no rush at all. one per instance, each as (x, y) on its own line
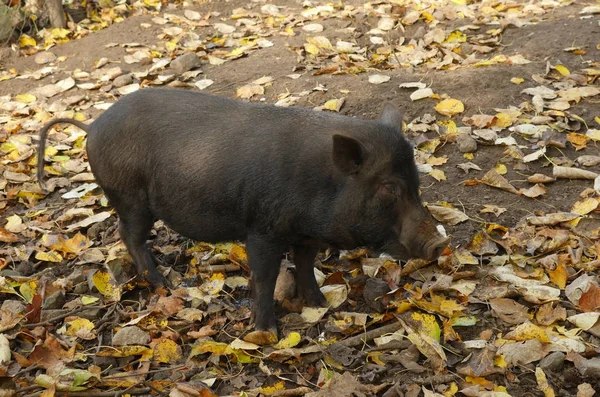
(428, 250)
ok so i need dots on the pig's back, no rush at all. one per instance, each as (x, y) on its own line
(224, 161)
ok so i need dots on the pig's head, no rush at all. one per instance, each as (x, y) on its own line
(380, 204)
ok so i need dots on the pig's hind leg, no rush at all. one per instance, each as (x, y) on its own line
(307, 287)
(135, 223)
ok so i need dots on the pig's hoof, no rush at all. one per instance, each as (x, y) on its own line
(314, 299)
(157, 280)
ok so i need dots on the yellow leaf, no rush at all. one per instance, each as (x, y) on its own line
(543, 384)
(268, 390)
(238, 255)
(469, 156)
(562, 70)
(28, 290)
(81, 328)
(517, 80)
(500, 362)
(249, 90)
(439, 175)
(209, 346)
(74, 245)
(50, 256)
(504, 120)
(593, 134)
(451, 391)
(333, 104)
(26, 98)
(427, 17)
(88, 300)
(597, 119)
(450, 107)
(167, 351)
(559, 276)
(456, 37)
(26, 41)
(437, 160)
(289, 341)
(529, 331)
(427, 325)
(59, 33)
(105, 284)
(152, 3)
(321, 42)
(171, 45)
(128, 351)
(430, 146)
(450, 125)
(501, 169)
(585, 206)
(311, 48)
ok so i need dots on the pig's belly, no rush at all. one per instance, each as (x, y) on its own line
(206, 227)
(200, 218)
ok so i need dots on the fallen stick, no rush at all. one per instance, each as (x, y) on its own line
(218, 268)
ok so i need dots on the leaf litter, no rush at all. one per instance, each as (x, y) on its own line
(509, 284)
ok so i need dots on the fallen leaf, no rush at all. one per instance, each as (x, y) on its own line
(494, 179)
(449, 216)
(248, 91)
(450, 107)
(378, 78)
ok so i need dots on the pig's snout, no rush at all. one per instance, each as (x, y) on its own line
(434, 248)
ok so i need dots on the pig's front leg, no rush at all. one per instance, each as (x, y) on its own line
(307, 287)
(264, 257)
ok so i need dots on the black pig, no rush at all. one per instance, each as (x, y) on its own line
(216, 169)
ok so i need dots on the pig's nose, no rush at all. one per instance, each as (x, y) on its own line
(436, 247)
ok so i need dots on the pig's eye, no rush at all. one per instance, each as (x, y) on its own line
(388, 189)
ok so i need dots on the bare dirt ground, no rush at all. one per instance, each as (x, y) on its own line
(546, 34)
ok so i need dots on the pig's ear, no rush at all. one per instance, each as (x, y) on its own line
(348, 153)
(391, 116)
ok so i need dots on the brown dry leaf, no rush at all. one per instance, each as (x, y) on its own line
(481, 244)
(494, 179)
(468, 166)
(552, 219)
(480, 364)
(540, 178)
(509, 311)
(550, 313)
(168, 305)
(481, 120)
(522, 353)
(261, 338)
(534, 191)
(590, 300)
(433, 161)
(572, 173)
(249, 90)
(8, 237)
(449, 216)
(492, 209)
